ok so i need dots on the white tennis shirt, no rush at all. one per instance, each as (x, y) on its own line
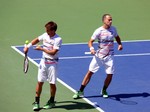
(105, 39)
(50, 43)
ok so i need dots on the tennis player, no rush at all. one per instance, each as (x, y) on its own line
(47, 70)
(103, 56)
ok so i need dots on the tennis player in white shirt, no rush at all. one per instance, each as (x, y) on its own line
(47, 70)
(103, 56)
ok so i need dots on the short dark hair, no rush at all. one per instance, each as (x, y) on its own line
(103, 17)
(51, 26)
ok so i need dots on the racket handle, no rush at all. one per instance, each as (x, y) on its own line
(87, 52)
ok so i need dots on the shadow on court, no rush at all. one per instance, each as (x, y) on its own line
(71, 105)
(123, 98)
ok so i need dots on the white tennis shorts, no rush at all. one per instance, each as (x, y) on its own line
(47, 71)
(108, 63)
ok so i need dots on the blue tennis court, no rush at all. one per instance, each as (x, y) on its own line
(130, 87)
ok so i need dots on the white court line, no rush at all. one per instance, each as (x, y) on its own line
(60, 81)
(115, 42)
(119, 55)
(139, 54)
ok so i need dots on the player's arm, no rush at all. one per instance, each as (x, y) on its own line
(33, 42)
(120, 47)
(53, 51)
(90, 44)
(50, 52)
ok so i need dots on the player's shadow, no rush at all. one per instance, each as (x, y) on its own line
(71, 105)
(130, 95)
(123, 98)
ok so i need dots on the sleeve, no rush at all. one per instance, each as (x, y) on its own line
(57, 44)
(96, 34)
(41, 37)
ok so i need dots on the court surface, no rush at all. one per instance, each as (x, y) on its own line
(129, 90)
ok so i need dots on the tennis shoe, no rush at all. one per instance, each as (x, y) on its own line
(78, 94)
(49, 105)
(36, 106)
(104, 94)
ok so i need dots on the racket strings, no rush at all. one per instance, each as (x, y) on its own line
(26, 64)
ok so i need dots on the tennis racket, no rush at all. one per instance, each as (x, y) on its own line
(26, 64)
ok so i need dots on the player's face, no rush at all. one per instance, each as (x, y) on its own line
(108, 20)
(51, 33)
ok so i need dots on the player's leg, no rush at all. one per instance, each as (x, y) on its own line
(41, 78)
(109, 66)
(37, 96)
(86, 80)
(106, 84)
(51, 101)
(53, 92)
(38, 90)
(52, 71)
(107, 81)
(94, 66)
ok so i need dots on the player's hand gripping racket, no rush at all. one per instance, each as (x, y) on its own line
(26, 61)
(101, 53)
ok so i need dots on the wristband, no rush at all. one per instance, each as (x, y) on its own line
(91, 48)
(29, 45)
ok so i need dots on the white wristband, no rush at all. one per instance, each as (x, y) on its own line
(91, 48)
(29, 45)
